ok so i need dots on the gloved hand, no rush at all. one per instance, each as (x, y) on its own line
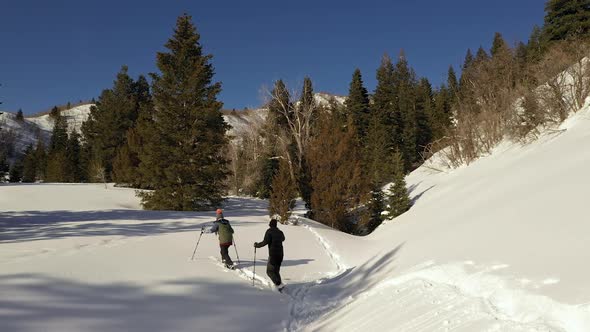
(255, 244)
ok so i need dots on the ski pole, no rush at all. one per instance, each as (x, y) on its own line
(194, 251)
(236, 248)
(254, 275)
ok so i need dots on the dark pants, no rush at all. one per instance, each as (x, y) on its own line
(225, 255)
(273, 269)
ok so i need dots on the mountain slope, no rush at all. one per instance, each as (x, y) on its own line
(499, 245)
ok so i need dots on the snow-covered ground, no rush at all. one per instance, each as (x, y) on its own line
(85, 258)
(499, 245)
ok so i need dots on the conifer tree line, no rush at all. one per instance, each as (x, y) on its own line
(346, 161)
(375, 139)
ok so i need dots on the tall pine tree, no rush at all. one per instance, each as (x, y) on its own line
(405, 86)
(357, 105)
(115, 112)
(188, 142)
(565, 19)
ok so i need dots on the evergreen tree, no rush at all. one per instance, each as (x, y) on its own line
(56, 168)
(398, 197)
(405, 86)
(115, 112)
(188, 142)
(40, 160)
(384, 97)
(468, 60)
(139, 136)
(382, 130)
(269, 166)
(4, 166)
(54, 113)
(73, 156)
(424, 116)
(59, 136)
(19, 116)
(29, 165)
(283, 192)
(279, 105)
(535, 46)
(336, 173)
(357, 105)
(376, 206)
(481, 56)
(499, 45)
(452, 82)
(565, 19)
(16, 171)
(306, 103)
(441, 122)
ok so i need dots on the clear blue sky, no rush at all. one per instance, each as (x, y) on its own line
(52, 52)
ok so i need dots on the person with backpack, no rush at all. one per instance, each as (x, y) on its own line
(223, 229)
(274, 238)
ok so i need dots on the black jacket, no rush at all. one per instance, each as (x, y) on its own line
(274, 239)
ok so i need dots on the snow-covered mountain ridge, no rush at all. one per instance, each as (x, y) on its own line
(28, 131)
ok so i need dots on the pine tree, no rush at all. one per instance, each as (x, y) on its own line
(4, 166)
(499, 45)
(481, 56)
(54, 113)
(337, 179)
(405, 86)
(56, 169)
(279, 105)
(40, 160)
(283, 192)
(306, 104)
(443, 99)
(565, 19)
(29, 165)
(115, 112)
(452, 82)
(186, 150)
(377, 152)
(357, 105)
(424, 116)
(269, 166)
(468, 60)
(376, 206)
(384, 98)
(19, 116)
(16, 171)
(398, 197)
(73, 156)
(535, 46)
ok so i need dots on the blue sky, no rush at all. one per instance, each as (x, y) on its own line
(52, 52)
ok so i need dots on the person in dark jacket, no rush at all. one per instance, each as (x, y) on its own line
(223, 229)
(274, 239)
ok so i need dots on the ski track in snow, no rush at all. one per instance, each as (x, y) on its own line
(449, 298)
(301, 312)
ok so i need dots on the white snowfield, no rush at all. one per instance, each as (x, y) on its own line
(499, 245)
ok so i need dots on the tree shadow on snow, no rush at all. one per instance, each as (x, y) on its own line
(340, 290)
(44, 303)
(43, 225)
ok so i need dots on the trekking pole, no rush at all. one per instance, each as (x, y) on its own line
(236, 248)
(194, 251)
(254, 275)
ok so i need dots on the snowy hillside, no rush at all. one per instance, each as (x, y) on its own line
(74, 116)
(500, 245)
(27, 132)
